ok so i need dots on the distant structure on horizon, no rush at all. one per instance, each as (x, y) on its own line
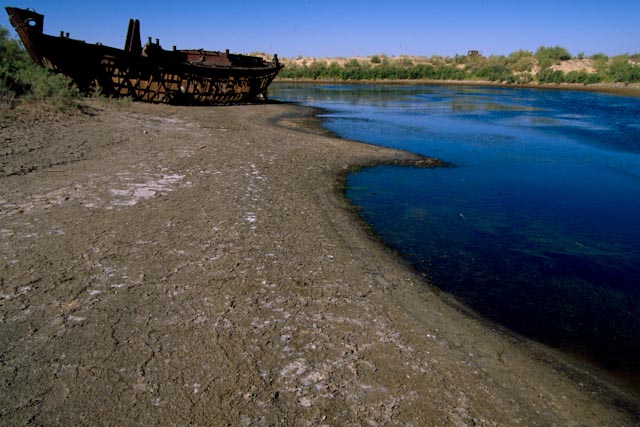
(474, 54)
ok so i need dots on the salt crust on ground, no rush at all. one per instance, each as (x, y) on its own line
(174, 266)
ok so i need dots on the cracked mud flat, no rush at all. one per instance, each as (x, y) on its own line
(196, 266)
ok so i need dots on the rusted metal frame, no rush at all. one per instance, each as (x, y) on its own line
(162, 86)
(167, 78)
(124, 85)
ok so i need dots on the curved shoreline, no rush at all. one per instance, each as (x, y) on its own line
(580, 360)
(625, 378)
(587, 373)
(597, 381)
(197, 265)
(632, 89)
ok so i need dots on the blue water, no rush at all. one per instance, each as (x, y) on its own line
(535, 224)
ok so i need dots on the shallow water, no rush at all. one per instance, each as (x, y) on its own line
(537, 223)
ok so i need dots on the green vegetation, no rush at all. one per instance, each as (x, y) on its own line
(546, 65)
(548, 56)
(622, 69)
(21, 78)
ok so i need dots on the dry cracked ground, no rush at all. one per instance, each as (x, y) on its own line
(197, 266)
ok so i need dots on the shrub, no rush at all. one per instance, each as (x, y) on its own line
(518, 55)
(600, 63)
(460, 59)
(46, 86)
(405, 62)
(599, 57)
(19, 77)
(622, 71)
(550, 76)
(525, 63)
(12, 60)
(593, 78)
(493, 71)
(548, 56)
(576, 77)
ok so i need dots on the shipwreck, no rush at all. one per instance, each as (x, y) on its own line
(146, 73)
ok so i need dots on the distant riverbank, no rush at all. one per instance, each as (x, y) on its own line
(548, 67)
(632, 89)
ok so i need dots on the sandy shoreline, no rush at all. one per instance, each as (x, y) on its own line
(166, 265)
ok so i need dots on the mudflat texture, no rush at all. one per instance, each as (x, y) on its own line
(197, 266)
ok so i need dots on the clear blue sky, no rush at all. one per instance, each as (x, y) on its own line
(349, 28)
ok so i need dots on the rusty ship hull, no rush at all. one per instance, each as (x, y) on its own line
(146, 73)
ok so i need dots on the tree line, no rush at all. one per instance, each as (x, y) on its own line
(520, 67)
